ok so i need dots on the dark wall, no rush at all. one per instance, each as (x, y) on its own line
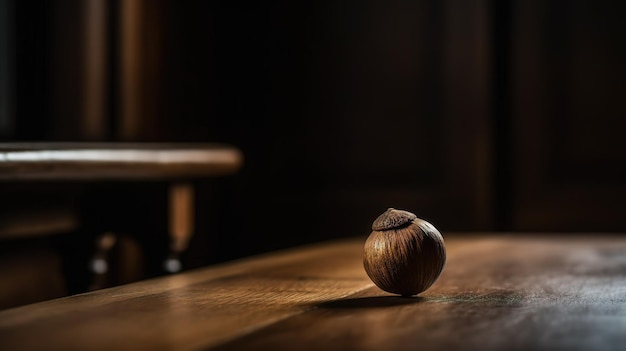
(342, 110)
(477, 115)
(567, 82)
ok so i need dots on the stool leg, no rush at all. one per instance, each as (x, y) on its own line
(99, 264)
(181, 223)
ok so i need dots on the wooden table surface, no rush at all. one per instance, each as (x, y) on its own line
(114, 161)
(497, 292)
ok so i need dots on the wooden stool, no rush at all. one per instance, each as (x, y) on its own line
(175, 163)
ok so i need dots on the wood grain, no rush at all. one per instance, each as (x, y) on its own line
(104, 161)
(190, 310)
(496, 292)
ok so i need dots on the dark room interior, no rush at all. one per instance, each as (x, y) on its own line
(479, 116)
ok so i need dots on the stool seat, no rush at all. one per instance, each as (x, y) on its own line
(116, 161)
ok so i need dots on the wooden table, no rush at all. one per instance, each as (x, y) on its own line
(497, 292)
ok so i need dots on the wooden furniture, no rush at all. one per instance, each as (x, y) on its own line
(497, 292)
(115, 161)
(105, 162)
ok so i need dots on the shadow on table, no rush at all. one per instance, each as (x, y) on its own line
(371, 302)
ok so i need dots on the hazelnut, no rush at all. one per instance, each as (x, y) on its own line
(404, 254)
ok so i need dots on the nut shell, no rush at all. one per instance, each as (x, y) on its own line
(405, 256)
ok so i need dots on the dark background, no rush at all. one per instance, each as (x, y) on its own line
(475, 115)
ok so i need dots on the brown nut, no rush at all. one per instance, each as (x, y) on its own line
(404, 254)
